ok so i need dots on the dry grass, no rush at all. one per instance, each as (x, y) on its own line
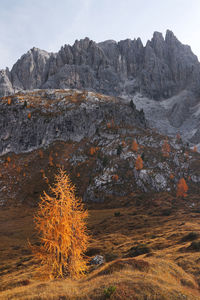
(169, 271)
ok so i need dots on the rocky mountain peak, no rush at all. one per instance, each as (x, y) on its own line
(160, 69)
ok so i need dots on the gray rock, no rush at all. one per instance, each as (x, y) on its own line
(18, 133)
(160, 69)
(97, 260)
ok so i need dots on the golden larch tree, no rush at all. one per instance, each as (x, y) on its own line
(182, 188)
(60, 221)
(166, 148)
(139, 163)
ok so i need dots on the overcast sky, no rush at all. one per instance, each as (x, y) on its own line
(49, 24)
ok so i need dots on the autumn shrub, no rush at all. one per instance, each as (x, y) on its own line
(182, 188)
(134, 146)
(166, 149)
(139, 163)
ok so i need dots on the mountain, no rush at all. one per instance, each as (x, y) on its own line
(138, 226)
(162, 77)
(160, 69)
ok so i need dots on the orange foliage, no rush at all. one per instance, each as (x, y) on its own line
(51, 160)
(171, 176)
(60, 221)
(139, 163)
(123, 144)
(29, 116)
(9, 101)
(182, 188)
(111, 124)
(41, 154)
(165, 149)
(8, 159)
(24, 174)
(93, 150)
(115, 177)
(186, 154)
(108, 125)
(195, 149)
(18, 169)
(134, 146)
(78, 175)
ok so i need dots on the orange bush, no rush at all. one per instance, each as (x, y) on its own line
(165, 149)
(186, 154)
(19, 169)
(93, 150)
(29, 116)
(123, 143)
(51, 160)
(111, 124)
(60, 221)
(182, 188)
(9, 101)
(171, 176)
(139, 163)
(134, 146)
(115, 177)
(41, 154)
(195, 149)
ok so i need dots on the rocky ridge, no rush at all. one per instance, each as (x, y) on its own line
(160, 69)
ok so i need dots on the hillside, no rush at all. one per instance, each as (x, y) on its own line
(148, 237)
(91, 135)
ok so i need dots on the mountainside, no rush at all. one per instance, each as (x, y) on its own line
(163, 69)
(92, 136)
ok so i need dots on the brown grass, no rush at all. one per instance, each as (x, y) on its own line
(169, 271)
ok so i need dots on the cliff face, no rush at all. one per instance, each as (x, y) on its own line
(36, 119)
(159, 70)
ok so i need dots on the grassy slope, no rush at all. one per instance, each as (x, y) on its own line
(169, 271)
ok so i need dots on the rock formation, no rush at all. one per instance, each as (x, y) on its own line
(161, 69)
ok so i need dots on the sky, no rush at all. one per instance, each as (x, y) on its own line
(49, 24)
